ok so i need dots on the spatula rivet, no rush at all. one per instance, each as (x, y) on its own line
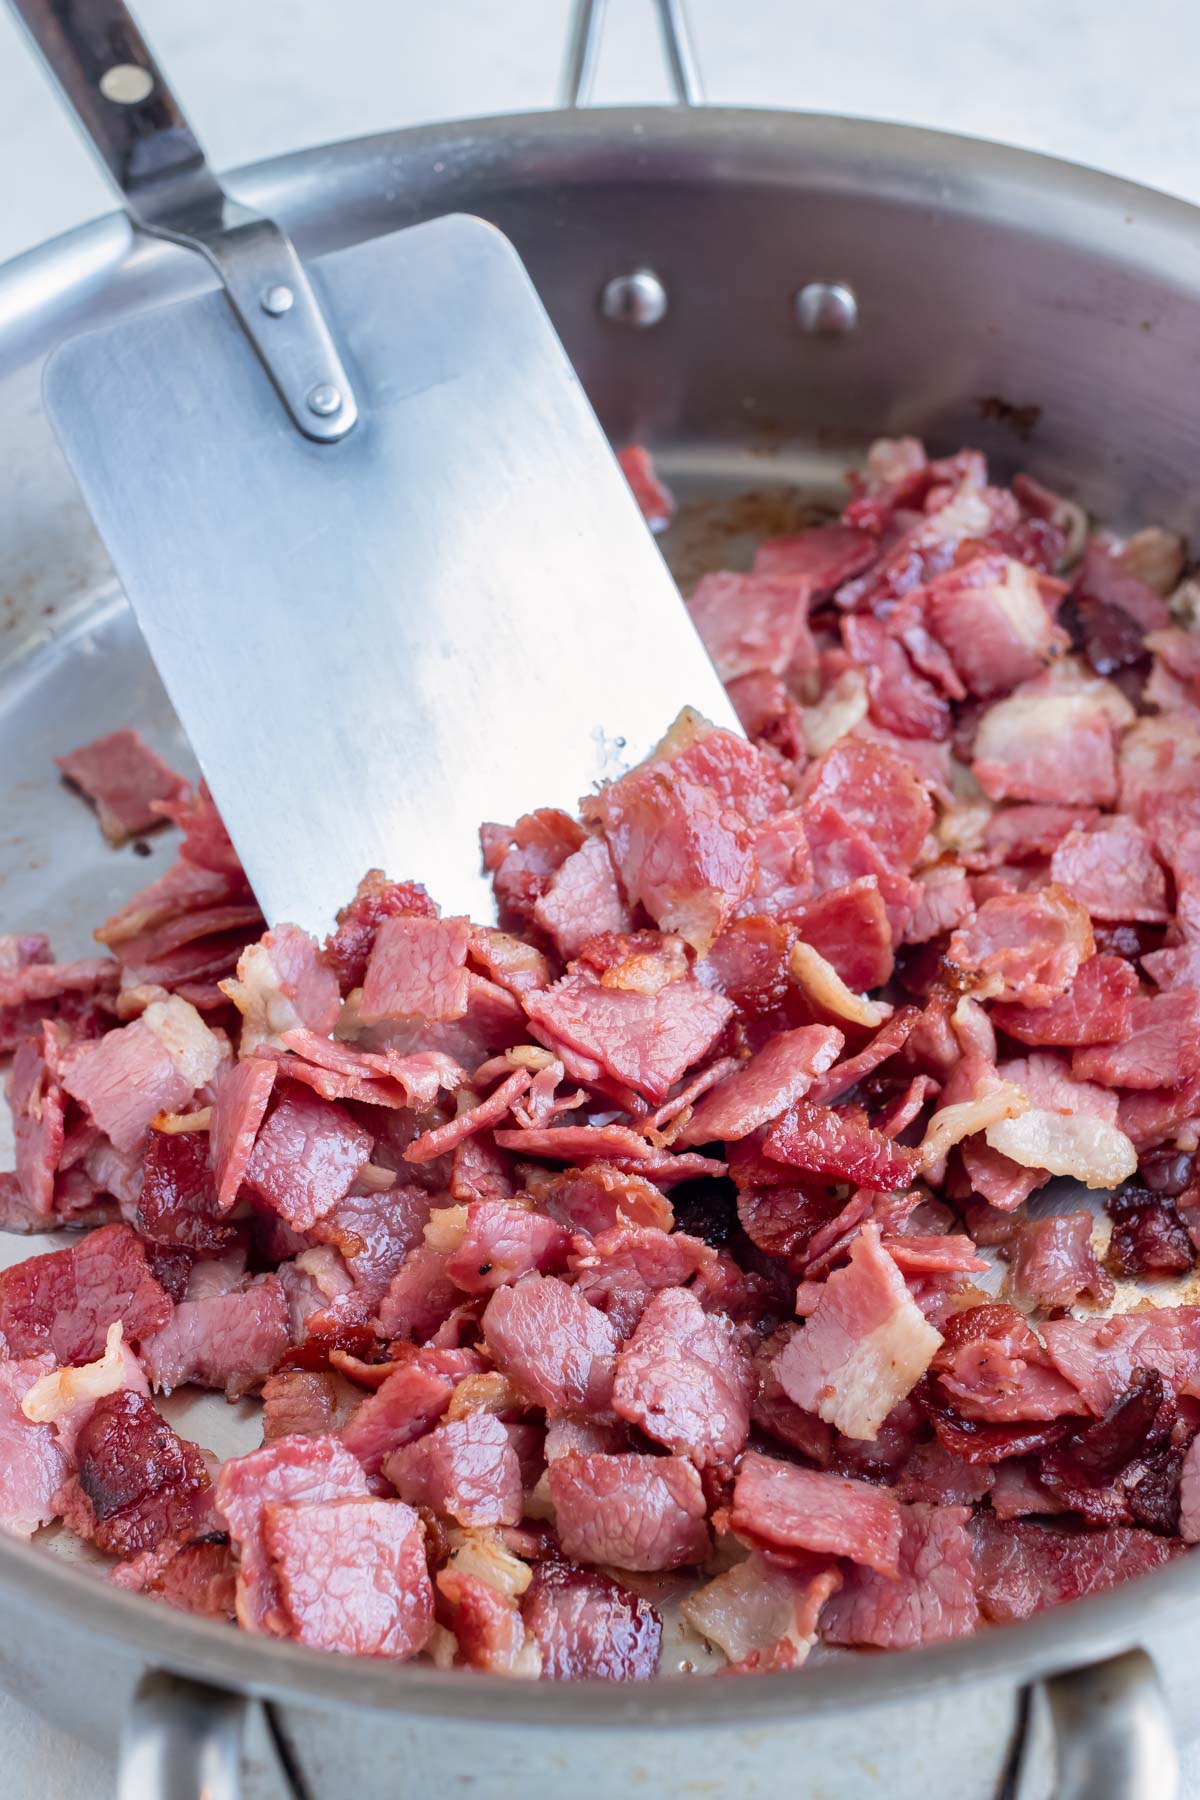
(324, 399)
(826, 309)
(277, 300)
(638, 300)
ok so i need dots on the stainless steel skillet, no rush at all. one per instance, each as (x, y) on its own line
(997, 294)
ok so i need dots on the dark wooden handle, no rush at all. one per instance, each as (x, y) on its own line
(115, 88)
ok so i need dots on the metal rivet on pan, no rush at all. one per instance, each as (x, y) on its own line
(324, 399)
(826, 309)
(125, 84)
(638, 300)
(277, 300)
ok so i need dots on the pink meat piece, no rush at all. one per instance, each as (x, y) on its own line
(937, 1477)
(822, 557)
(184, 889)
(886, 1043)
(958, 508)
(122, 775)
(684, 1379)
(902, 700)
(841, 1145)
(655, 500)
(521, 858)
(996, 1370)
(1099, 1356)
(417, 970)
(740, 775)
(505, 1242)
(1162, 1048)
(375, 1233)
(843, 852)
(1151, 1117)
(350, 1574)
(850, 928)
(932, 1597)
(596, 1198)
(442, 1138)
(467, 1470)
(784, 879)
(231, 1341)
(306, 1158)
(1026, 947)
(559, 1350)
(65, 1302)
(299, 1470)
(1178, 967)
(177, 1206)
(123, 1079)
(781, 1508)
(486, 1624)
(751, 623)
(877, 792)
(644, 1040)
(679, 849)
(1055, 1263)
(865, 1346)
(1024, 1568)
(1017, 833)
(38, 1114)
(991, 617)
(306, 1403)
(197, 1577)
(1189, 1495)
(944, 902)
(776, 1076)
(769, 713)
(1112, 870)
(620, 1269)
(407, 1403)
(1095, 1009)
(297, 987)
(347, 950)
(1045, 744)
(420, 1296)
(205, 839)
(33, 1463)
(636, 1512)
(239, 1106)
(585, 1624)
(1102, 577)
(581, 900)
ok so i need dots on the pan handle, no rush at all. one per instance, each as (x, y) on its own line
(583, 52)
(1113, 1737)
(110, 81)
(181, 1741)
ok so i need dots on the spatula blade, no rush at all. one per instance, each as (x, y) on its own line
(454, 614)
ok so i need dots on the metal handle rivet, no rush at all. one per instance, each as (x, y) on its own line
(277, 300)
(638, 300)
(826, 309)
(125, 84)
(324, 399)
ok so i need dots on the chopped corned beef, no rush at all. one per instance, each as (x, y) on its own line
(781, 1508)
(865, 1346)
(350, 1575)
(685, 1380)
(122, 775)
(33, 1464)
(683, 1205)
(636, 1512)
(585, 1624)
(559, 1350)
(466, 1470)
(932, 1596)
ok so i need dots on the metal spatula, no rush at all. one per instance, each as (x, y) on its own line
(379, 548)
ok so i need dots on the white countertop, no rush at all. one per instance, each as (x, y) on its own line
(1093, 80)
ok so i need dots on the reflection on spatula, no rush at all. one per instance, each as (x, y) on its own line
(393, 586)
